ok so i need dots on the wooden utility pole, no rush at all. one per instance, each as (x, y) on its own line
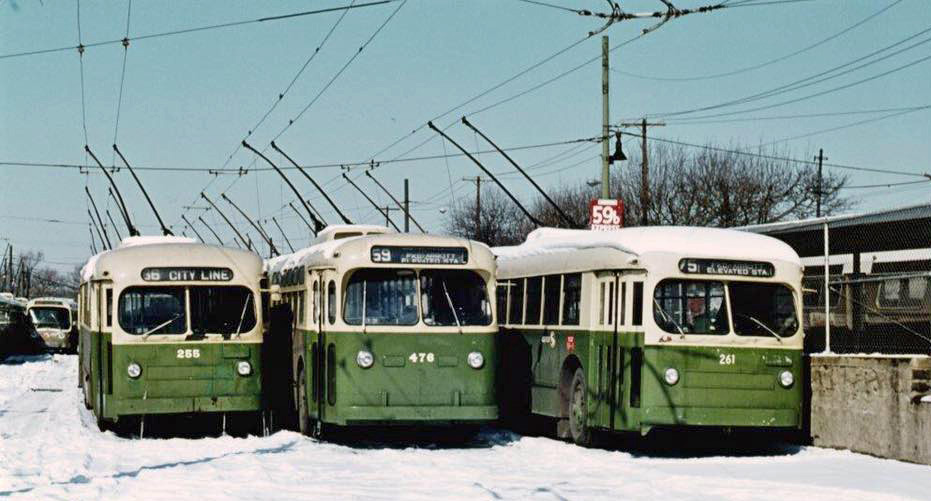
(820, 158)
(605, 121)
(478, 200)
(644, 168)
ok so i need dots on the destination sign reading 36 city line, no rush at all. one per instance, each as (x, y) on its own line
(187, 274)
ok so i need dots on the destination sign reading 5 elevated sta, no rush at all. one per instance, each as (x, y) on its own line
(726, 267)
(187, 274)
(420, 255)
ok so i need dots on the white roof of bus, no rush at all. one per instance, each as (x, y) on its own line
(640, 241)
(327, 236)
(88, 270)
(71, 303)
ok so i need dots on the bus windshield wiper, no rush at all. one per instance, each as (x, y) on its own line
(242, 316)
(146, 334)
(761, 324)
(668, 317)
(451, 306)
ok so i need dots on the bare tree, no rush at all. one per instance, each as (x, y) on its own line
(713, 187)
(694, 187)
(500, 222)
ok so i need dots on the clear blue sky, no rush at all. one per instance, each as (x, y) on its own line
(189, 99)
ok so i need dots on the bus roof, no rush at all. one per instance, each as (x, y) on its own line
(329, 252)
(643, 241)
(53, 301)
(141, 252)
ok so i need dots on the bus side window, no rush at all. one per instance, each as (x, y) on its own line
(601, 303)
(572, 296)
(300, 306)
(551, 289)
(534, 300)
(331, 302)
(516, 302)
(637, 304)
(109, 306)
(315, 303)
(622, 309)
(611, 303)
(501, 300)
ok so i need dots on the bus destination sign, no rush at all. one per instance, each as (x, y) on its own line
(726, 267)
(187, 274)
(420, 255)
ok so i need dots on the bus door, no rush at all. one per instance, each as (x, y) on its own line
(606, 319)
(325, 302)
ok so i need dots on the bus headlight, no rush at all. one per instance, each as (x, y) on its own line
(671, 376)
(365, 359)
(243, 368)
(134, 370)
(786, 379)
(476, 360)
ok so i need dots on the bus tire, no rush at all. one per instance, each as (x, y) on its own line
(303, 416)
(578, 409)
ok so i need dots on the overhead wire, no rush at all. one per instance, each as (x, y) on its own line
(767, 62)
(119, 100)
(196, 29)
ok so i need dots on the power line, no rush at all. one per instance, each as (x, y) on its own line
(798, 84)
(196, 29)
(310, 166)
(287, 89)
(119, 100)
(887, 185)
(775, 157)
(765, 63)
(699, 121)
(847, 126)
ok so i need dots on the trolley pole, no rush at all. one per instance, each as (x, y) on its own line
(605, 121)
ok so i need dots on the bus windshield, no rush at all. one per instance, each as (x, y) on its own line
(221, 310)
(50, 318)
(763, 309)
(454, 297)
(381, 297)
(690, 307)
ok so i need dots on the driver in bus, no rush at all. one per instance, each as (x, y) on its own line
(697, 320)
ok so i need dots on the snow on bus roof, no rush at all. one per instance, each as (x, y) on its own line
(87, 271)
(694, 241)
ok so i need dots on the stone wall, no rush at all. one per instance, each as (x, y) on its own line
(873, 405)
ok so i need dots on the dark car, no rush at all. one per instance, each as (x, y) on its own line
(18, 335)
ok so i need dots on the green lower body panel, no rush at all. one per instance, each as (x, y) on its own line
(416, 378)
(179, 378)
(419, 414)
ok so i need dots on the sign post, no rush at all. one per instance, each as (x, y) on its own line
(606, 214)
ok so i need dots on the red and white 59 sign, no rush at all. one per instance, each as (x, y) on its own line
(606, 215)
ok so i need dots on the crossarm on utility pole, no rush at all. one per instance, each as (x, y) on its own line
(395, 200)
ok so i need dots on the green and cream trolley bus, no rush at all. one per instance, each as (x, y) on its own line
(171, 326)
(389, 329)
(651, 327)
(55, 319)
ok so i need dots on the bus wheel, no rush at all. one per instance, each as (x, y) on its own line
(303, 417)
(578, 409)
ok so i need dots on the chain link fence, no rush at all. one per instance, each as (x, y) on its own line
(881, 304)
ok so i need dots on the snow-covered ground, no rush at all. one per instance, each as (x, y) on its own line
(50, 448)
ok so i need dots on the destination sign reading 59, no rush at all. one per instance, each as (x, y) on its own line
(420, 255)
(726, 267)
(187, 274)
